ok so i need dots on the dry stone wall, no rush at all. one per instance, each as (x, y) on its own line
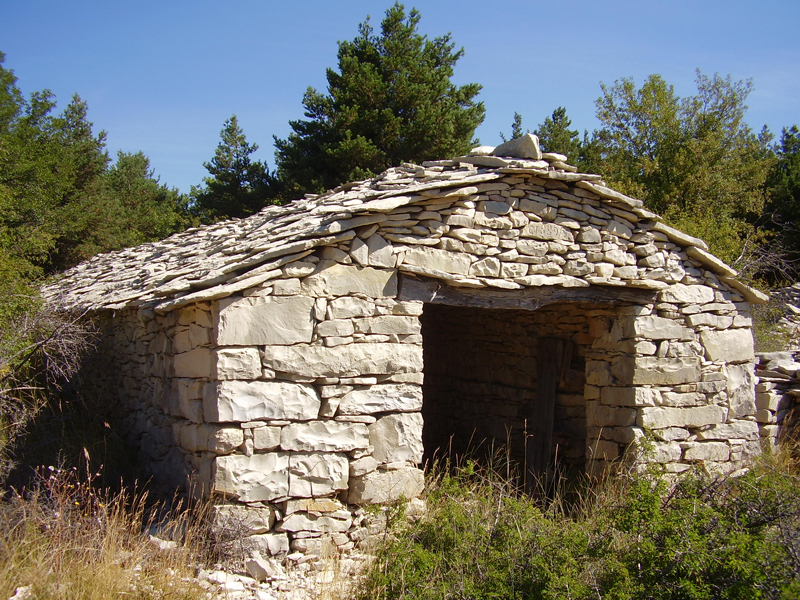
(284, 357)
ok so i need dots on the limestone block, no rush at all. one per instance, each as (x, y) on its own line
(547, 231)
(532, 247)
(654, 370)
(709, 320)
(237, 520)
(317, 474)
(382, 398)
(380, 252)
(660, 452)
(190, 398)
(237, 363)
(440, 260)
(746, 430)
(397, 438)
(362, 466)
(732, 345)
(380, 487)
(199, 336)
(286, 287)
(324, 436)
(268, 543)
(598, 372)
(683, 399)
(255, 321)
(496, 207)
(241, 401)
(714, 451)
(659, 417)
(589, 235)
(336, 327)
(654, 328)
(359, 251)
(486, 267)
(687, 294)
(388, 324)
(335, 279)
(344, 361)
(316, 505)
(513, 270)
(619, 229)
(601, 415)
(741, 381)
(526, 146)
(629, 396)
(195, 363)
(260, 477)
(602, 450)
(578, 268)
(339, 521)
(349, 307)
(181, 342)
(266, 438)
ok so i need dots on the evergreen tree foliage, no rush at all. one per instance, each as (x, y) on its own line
(783, 207)
(555, 135)
(390, 100)
(694, 160)
(516, 128)
(56, 196)
(238, 186)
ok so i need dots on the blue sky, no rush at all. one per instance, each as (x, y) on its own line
(162, 77)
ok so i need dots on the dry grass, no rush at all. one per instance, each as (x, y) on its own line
(64, 540)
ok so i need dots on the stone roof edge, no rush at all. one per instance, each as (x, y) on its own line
(339, 221)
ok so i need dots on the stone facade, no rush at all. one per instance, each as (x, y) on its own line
(303, 361)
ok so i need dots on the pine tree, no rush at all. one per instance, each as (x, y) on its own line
(238, 186)
(556, 136)
(391, 100)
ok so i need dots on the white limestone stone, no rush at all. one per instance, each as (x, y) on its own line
(335, 279)
(349, 307)
(732, 345)
(237, 363)
(526, 146)
(687, 294)
(382, 398)
(259, 477)
(654, 370)
(439, 260)
(344, 361)
(255, 321)
(195, 363)
(241, 401)
(381, 487)
(324, 436)
(546, 231)
(266, 438)
(629, 396)
(714, 451)
(327, 523)
(486, 267)
(746, 430)
(397, 438)
(709, 320)
(659, 417)
(380, 252)
(240, 520)
(654, 328)
(317, 474)
(740, 381)
(388, 324)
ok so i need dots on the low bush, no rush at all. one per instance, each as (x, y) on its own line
(632, 536)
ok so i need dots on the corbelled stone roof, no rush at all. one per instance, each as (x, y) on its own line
(215, 261)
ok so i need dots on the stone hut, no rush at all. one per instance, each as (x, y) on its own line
(308, 359)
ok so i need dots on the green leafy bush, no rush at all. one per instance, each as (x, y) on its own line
(631, 537)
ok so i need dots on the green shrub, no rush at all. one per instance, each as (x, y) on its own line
(630, 537)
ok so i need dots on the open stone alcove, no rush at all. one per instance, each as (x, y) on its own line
(507, 372)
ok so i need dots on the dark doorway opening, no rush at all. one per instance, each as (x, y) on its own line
(485, 368)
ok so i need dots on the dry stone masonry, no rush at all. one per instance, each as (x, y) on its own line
(300, 363)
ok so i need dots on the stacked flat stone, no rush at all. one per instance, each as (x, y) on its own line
(275, 363)
(777, 393)
(790, 320)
